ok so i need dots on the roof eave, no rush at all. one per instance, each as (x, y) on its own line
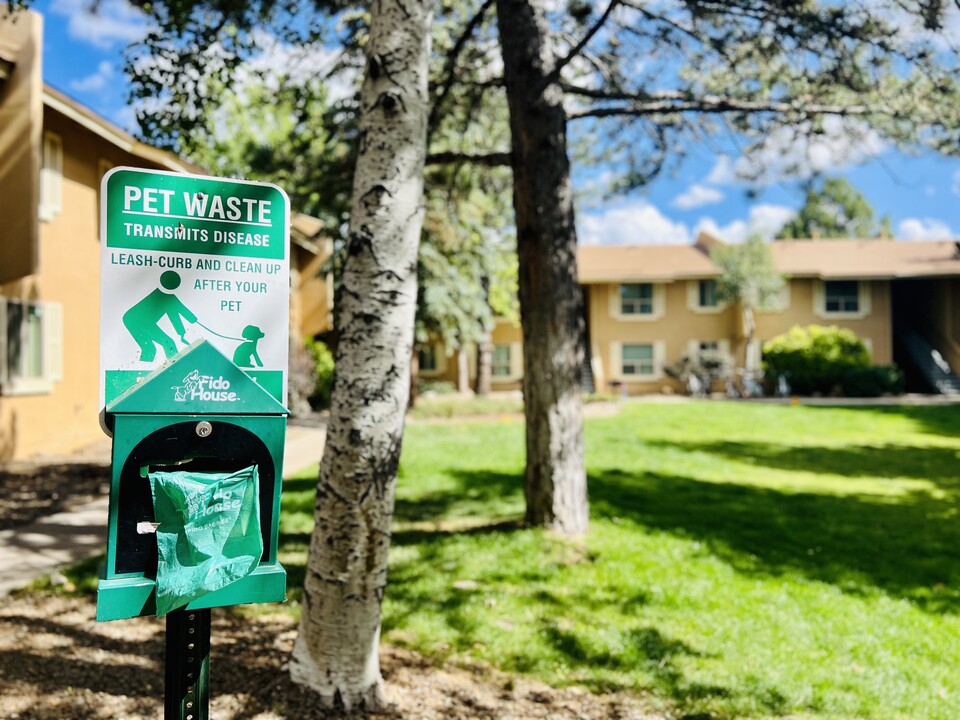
(71, 109)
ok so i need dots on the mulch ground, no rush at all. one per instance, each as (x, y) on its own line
(58, 663)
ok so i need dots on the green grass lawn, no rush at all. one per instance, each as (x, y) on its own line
(743, 560)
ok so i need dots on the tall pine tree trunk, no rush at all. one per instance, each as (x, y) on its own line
(550, 298)
(336, 651)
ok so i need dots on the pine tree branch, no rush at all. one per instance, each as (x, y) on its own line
(578, 48)
(492, 159)
(449, 70)
(641, 104)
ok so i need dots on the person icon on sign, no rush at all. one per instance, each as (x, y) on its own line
(143, 319)
(246, 355)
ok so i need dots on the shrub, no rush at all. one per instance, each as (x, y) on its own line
(815, 359)
(323, 362)
(873, 381)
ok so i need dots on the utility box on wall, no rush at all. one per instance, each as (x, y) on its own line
(200, 414)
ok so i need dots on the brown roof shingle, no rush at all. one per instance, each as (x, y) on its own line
(853, 259)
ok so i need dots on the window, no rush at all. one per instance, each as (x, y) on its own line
(636, 299)
(841, 296)
(707, 294)
(637, 360)
(30, 346)
(51, 177)
(500, 362)
(427, 357)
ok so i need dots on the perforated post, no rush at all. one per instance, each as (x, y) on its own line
(187, 673)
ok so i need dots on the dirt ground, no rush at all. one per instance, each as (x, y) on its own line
(58, 663)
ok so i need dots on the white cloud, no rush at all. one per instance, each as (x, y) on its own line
(635, 223)
(909, 24)
(792, 153)
(96, 81)
(764, 220)
(697, 196)
(722, 172)
(924, 229)
(297, 63)
(126, 118)
(104, 23)
(641, 223)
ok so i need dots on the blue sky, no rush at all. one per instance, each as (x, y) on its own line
(83, 58)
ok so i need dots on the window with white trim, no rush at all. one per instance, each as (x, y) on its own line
(636, 299)
(841, 296)
(31, 346)
(707, 294)
(500, 365)
(637, 360)
(51, 177)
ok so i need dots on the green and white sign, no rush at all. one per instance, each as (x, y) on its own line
(186, 258)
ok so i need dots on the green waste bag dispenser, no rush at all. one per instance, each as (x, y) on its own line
(195, 490)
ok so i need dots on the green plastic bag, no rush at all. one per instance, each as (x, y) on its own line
(208, 534)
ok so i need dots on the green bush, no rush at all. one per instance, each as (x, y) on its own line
(815, 359)
(320, 397)
(437, 387)
(873, 381)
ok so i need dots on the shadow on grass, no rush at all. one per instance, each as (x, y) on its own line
(936, 464)
(903, 546)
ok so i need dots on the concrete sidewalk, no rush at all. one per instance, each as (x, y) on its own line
(31, 551)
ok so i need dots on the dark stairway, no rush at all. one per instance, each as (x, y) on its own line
(587, 385)
(930, 363)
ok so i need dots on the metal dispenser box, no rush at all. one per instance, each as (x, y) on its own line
(198, 412)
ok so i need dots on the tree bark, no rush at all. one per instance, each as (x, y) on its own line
(336, 651)
(550, 298)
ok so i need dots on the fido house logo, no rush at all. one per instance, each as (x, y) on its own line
(204, 388)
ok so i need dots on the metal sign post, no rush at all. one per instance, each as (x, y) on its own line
(187, 673)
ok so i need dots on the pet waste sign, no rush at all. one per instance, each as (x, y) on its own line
(186, 258)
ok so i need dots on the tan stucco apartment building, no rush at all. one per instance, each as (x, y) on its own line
(647, 305)
(53, 154)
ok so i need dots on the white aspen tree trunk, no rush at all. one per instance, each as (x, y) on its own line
(336, 651)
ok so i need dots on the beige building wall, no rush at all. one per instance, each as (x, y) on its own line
(873, 324)
(63, 415)
(677, 326)
(506, 334)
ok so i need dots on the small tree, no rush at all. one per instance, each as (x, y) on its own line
(750, 280)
